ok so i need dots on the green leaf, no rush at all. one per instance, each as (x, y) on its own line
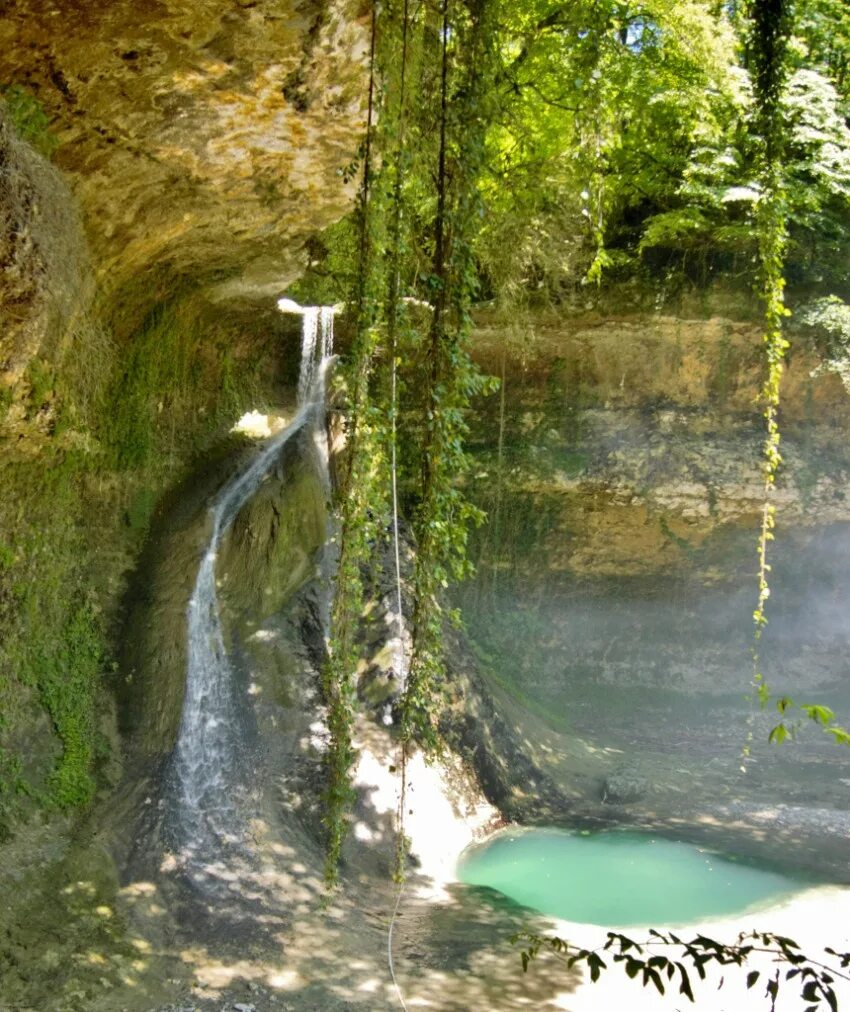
(685, 986)
(819, 714)
(778, 734)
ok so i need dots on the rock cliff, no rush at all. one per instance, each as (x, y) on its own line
(209, 137)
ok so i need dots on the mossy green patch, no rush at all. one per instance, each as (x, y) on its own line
(54, 641)
(178, 376)
(7, 395)
(69, 678)
(42, 379)
(140, 510)
(29, 118)
(135, 397)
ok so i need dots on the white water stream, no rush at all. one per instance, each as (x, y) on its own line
(206, 810)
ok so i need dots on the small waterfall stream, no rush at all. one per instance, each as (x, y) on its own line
(205, 806)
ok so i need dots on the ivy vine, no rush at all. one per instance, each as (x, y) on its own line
(359, 510)
(419, 206)
(771, 25)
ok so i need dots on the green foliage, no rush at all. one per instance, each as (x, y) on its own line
(720, 190)
(68, 679)
(601, 104)
(330, 276)
(822, 716)
(414, 233)
(830, 317)
(627, 144)
(829, 320)
(768, 45)
(772, 238)
(770, 27)
(29, 119)
(7, 396)
(527, 149)
(159, 366)
(41, 379)
(823, 40)
(54, 640)
(361, 508)
(642, 961)
(140, 511)
(443, 514)
(7, 557)
(360, 502)
(176, 376)
(69, 527)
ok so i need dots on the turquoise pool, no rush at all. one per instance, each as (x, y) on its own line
(619, 878)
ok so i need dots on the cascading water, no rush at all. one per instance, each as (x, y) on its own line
(205, 796)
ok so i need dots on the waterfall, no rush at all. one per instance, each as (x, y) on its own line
(309, 335)
(317, 329)
(206, 761)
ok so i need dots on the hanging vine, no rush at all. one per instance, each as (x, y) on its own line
(395, 256)
(360, 510)
(770, 29)
(443, 515)
(771, 26)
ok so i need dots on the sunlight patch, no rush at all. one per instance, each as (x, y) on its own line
(257, 425)
(265, 635)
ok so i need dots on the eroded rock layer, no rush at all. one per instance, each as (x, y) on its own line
(209, 136)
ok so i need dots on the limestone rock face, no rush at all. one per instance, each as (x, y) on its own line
(626, 444)
(207, 136)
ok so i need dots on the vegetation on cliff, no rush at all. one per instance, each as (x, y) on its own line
(531, 153)
(104, 401)
(523, 155)
(665, 132)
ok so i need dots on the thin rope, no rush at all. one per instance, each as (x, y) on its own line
(397, 551)
(390, 946)
(393, 322)
(402, 673)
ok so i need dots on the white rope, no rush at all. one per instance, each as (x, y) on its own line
(400, 633)
(390, 946)
(393, 466)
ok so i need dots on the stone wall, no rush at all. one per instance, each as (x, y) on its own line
(627, 442)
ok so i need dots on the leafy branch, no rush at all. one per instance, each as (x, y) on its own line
(822, 716)
(644, 962)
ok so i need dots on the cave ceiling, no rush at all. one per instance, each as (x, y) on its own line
(205, 137)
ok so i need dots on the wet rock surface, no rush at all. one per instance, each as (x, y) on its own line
(624, 786)
(629, 446)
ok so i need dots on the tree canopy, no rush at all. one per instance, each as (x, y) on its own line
(621, 142)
